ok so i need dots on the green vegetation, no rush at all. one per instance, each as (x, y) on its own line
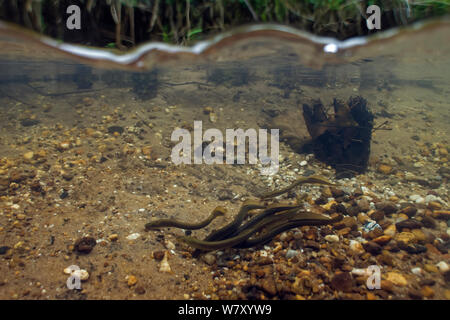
(130, 22)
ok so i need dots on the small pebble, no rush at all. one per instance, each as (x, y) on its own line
(133, 236)
(372, 247)
(417, 198)
(442, 266)
(427, 292)
(291, 253)
(391, 230)
(85, 245)
(384, 169)
(29, 155)
(113, 237)
(209, 258)
(396, 278)
(356, 246)
(342, 282)
(158, 255)
(332, 238)
(131, 280)
(140, 290)
(431, 268)
(416, 271)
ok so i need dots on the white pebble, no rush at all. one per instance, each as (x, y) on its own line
(442, 266)
(416, 271)
(209, 258)
(133, 236)
(332, 238)
(291, 253)
(359, 272)
(356, 246)
(283, 236)
(303, 163)
(430, 198)
(416, 198)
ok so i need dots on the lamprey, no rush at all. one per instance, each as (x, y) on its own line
(269, 211)
(311, 179)
(290, 217)
(230, 228)
(304, 219)
(162, 223)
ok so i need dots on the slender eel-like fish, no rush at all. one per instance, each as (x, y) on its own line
(164, 223)
(290, 219)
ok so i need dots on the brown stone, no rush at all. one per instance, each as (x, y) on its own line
(140, 290)
(434, 205)
(372, 247)
(336, 192)
(408, 224)
(384, 169)
(344, 232)
(396, 278)
(363, 205)
(268, 285)
(410, 211)
(429, 222)
(432, 249)
(382, 240)
(427, 292)
(342, 282)
(377, 215)
(387, 207)
(85, 245)
(441, 214)
(406, 237)
(415, 294)
(158, 255)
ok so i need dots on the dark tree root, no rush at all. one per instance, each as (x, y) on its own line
(341, 140)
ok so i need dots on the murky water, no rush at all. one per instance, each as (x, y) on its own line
(86, 150)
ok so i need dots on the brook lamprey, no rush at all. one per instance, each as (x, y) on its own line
(269, 211)
(303, 219)
(230, 228)
(283, 221)
(164, 223)
(311, 179)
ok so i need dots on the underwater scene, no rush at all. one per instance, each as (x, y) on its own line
(262, 163)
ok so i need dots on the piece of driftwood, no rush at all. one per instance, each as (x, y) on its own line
(342, 140)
